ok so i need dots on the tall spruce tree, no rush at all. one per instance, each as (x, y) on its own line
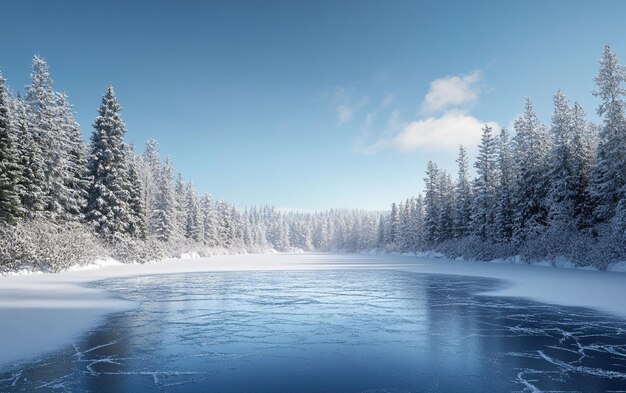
(561, 193)
(164, 218)
(609, 172)
(150, 175)
(583, 150)
(417, 226)
(193, 223)
(10, 173)
(531, 146)
(44, 127)
(137, 227)
(484, 202)
(75, 182)
(445, 221)
(504, 209)
(208, 221)
(180, 192)
(107, 206)
(463, 196)
(431, 202)
(32, 179)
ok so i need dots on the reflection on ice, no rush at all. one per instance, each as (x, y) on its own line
(332, 331)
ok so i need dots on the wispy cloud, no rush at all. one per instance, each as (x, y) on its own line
(346, 106)
(386, 102)
(451, 92)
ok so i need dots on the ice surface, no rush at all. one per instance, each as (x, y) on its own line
(42, 312)
(345, 330)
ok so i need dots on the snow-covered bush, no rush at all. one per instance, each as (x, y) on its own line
(45, 246)
(127, 249)
(607, 249)
(14, 248)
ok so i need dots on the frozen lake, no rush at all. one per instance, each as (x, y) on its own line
(332, 331)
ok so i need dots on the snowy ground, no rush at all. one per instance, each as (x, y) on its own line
(40, 312)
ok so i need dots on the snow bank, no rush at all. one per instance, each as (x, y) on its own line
(41, 312)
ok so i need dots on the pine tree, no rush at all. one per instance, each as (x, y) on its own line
(193, 225)
(463, 191)
(609, 172)
(417, 220)
(431, 202)
(137, 226)
(208, 222)
(32, 180)
(150, 176)
(394, 221)
(531, 145)
(164, 213)
(107, 204)
(381, 234)
(10, 174)
(180, 192)
(75, 182)
(445, 220)
(504, 209)
(583, 152)
(560, 199)
(45, 128)
(225, 225)
(483, 207)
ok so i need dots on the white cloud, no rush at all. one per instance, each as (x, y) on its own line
(445, 122)
(436, 133)
(451, 92)
(440, 133)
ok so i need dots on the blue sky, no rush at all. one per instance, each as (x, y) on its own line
(318, 104)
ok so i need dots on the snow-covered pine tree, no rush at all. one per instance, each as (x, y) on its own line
(400, 227)
(193, 224)
(164, 214)
(484, 202)
(381, 236)
(150, 169)
(107, 206)
(225, 225)
(76, 182)
(32, 181)
(10, 173)
(463, 196)
(431, 203)
(583, 153)
(209, 224)
(44, 116)
(560, 199)
(180, 191)
(394, 222)
(531, 145)
(445, 220)
(137, 226)
(609, 171)
(247, 229)
(408, 235)
(505, 211)
(417, 224)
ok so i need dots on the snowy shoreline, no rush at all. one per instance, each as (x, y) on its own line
(43, 312)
